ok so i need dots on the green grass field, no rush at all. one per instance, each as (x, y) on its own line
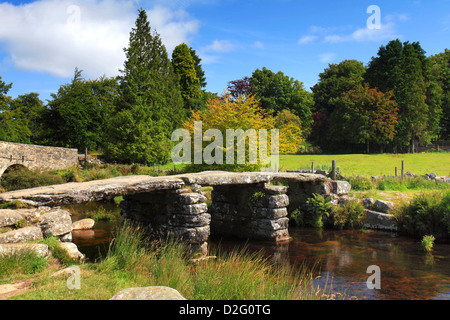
(369, 165)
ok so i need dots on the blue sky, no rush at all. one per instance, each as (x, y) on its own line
(41, 42)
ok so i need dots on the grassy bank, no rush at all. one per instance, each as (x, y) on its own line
(133, 261)
(373, 164)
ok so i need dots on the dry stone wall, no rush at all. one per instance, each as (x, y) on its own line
(33, 156)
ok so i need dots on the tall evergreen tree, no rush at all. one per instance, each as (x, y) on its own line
(184, 67)
(150, 104)
(198, 68)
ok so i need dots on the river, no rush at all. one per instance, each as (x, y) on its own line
(340, 258)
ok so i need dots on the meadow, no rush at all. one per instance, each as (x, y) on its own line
(372, 164)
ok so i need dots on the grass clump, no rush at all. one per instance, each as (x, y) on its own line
(57, 251)
(21, 264)
(15, 204)
(428, 243)
(348, 216)
(101, 214)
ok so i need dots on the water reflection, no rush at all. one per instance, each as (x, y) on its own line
(340, 258)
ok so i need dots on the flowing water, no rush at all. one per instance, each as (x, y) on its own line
(340, 257)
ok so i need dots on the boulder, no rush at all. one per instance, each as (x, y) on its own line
(83, 224)
(379, 221)
(55, 223)
(341, 187)
(21, 235)
(383, 206)
(148, 293)
(18, 248)
(66, 271)
(72, 250)
(430, 176)
(368, 203)
(9, 217)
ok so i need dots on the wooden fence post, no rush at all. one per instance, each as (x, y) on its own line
(403, 168)
(333, 170)
(312, 167)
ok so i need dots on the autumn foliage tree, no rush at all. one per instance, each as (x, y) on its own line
(291, 134)
(224, 113)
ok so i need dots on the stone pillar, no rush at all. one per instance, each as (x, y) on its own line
(254, 211)
(178, 213)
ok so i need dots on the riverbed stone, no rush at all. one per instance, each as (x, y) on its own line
(55, 223)
(83, 224)
(21, 235)
(148, 293)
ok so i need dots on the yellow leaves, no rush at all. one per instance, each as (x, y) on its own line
(223, 113)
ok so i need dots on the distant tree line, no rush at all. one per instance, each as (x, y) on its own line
(400, 100)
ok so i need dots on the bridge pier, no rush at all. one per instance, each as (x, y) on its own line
(178, 213)
(255, 212)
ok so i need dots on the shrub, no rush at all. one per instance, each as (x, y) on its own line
(426, 214)
(348, 216)
(22, 178)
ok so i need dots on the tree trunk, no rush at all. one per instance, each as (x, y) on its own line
(368, 151)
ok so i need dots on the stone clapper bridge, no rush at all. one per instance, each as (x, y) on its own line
(247, 205)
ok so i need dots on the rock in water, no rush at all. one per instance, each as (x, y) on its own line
(84, 224)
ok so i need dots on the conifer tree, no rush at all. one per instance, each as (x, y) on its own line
(150, 102)
(184, 67)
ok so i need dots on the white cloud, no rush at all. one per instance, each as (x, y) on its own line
(327, 57)
(219, 46)
(258, 45)
(307, 39)
(385, 32)
(56, 36)
(209, 53)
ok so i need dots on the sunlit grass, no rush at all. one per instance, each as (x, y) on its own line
(372, 165)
